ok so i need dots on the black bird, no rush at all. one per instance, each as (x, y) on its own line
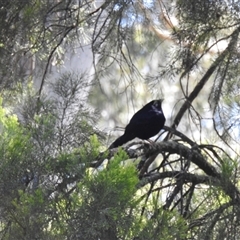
(145, 123)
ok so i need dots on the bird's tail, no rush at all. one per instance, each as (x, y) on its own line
(120, 141)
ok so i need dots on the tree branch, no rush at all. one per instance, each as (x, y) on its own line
(204, 79)
(190, 154)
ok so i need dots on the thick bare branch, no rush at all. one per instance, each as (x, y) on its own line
(191, 154)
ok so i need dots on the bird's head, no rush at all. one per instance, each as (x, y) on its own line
(158, 103)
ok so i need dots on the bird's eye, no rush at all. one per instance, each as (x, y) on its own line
(156, 104)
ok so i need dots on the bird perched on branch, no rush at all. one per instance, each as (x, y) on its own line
(145, 123)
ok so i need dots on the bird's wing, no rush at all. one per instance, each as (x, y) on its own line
(143, 117)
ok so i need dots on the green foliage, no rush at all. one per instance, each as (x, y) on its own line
(103, 201)
(48, 189)
(165, 225)
(117, 177)
(15, 151)
(14, 144)
(90, 150)
(229, 167)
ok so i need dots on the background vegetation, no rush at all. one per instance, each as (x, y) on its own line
(57, 181)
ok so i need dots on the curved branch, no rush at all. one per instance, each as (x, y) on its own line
(188, 177)
(208, 215)
(188, 153)
(205, 78)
